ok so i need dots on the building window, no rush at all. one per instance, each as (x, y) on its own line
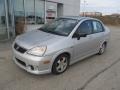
(18, 9)
(33, 11)
(29, 11)
(3, 26)
(39, 11)
(19, 16)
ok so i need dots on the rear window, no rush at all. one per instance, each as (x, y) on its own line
(97, 27)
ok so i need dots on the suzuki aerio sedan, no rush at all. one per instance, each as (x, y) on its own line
(56, 45)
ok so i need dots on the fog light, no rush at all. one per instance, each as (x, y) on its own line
(30, 67)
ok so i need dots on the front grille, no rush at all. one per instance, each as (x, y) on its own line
(19, 48)
(21, 62)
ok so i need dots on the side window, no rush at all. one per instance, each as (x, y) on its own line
(97, 27)
(85, 27)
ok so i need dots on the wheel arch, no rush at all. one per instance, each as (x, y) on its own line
(63, 53)
(105, 42)
(67, 53)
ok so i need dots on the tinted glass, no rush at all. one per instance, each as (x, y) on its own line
(60, 26)
(39, 11)
(85, 27)
(3, 28)
(18, 9)
(29, 11)
(97, 27)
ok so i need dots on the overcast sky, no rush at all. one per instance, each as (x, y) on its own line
(104, 6)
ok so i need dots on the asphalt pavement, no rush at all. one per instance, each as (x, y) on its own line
(93, 73)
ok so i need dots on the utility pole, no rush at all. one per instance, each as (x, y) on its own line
(80, 5)
(84, 7)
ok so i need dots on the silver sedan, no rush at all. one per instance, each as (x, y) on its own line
(57, 45)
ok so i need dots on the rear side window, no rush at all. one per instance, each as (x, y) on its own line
(85, 27)
(97, 27)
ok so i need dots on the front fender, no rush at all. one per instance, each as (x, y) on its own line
(67, 50)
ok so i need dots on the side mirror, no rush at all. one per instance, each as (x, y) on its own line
(83, 35)
(78, 35)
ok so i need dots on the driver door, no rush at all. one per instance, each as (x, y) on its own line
(84, 46)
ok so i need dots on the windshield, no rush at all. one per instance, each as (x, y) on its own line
(60, 26)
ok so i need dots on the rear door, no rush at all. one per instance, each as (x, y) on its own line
(98, 34)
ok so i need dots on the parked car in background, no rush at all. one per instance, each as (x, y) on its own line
(56, 45)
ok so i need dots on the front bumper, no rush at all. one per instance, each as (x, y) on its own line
(33, 64)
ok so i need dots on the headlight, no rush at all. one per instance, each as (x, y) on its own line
(37, 51)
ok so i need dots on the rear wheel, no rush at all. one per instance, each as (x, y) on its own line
(102, 49)
(61, 64)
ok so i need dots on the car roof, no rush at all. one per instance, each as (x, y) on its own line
(78, 17)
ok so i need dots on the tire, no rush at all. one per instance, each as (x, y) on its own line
(60, 64)
(102, 49)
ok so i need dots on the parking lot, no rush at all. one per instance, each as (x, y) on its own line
(94, 73)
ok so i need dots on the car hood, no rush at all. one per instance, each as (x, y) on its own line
(37, 38)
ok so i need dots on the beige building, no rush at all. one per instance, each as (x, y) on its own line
(91, 14)
(15, 13)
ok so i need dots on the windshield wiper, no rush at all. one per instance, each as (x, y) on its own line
(52, 32)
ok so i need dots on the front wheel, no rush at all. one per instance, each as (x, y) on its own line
(60, 64)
